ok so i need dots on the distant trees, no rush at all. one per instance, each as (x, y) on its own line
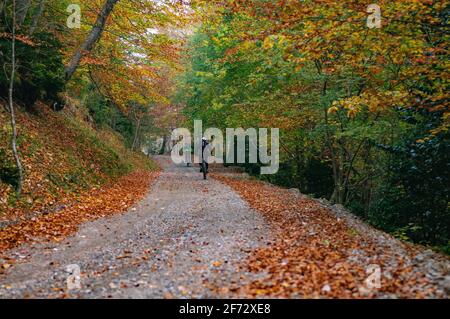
(357, 107)
(121, 59)
(123, 55)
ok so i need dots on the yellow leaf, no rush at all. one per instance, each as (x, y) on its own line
(268, 43)
(6, 266)
(333, 110)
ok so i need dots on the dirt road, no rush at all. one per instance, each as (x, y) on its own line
(186, 239)
(191, 238)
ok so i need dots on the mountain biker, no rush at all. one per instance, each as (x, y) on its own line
(205, 144)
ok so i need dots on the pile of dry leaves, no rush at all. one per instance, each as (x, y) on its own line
(62, 156)
(90, 205)
(315, 254)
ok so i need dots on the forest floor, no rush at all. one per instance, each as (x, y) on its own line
(228, 236)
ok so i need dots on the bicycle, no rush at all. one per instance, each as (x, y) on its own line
(204, 164)
(204, 169)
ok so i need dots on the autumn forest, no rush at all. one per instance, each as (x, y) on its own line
(90, 92)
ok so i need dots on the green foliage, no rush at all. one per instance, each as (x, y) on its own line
(364, 155)
(105, 154)
(40, 69)
(106, 114)
(414, 194)
(8, 171)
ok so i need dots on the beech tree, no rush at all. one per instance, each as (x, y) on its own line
(11, 101)
(91, 39)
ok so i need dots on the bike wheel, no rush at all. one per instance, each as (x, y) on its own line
(204, 169)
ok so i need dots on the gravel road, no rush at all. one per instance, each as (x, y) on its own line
(185, 240)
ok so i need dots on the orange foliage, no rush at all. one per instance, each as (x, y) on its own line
(93, 204)
(309, 257)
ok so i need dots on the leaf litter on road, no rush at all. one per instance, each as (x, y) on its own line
(91, 205)
(314, 254)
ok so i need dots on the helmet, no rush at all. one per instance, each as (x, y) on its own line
(203, 138)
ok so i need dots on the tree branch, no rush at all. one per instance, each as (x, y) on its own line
(92, 39)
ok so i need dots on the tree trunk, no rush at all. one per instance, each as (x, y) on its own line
(2, 6)
(37, 17)
(136, 134)
(11, 103)
(168, 145)
(21, 10)
(93, 37)
(334, 157)
(163, 147)
(300, 182)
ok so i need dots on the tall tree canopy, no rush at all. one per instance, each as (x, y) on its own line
(359, 108)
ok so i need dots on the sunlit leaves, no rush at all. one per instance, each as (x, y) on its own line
(142, 38)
